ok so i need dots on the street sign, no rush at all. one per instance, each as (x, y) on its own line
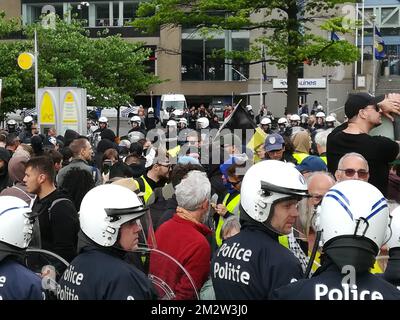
(25, 60)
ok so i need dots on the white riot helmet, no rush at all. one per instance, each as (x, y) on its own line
(346, 211)
(171, 123)
(249, 107)
(105, 208)
(136, 119)
(150, 110)
(183, 121)
(294, 117)
(15, 222)
(320, 115)
(11, 122)
(266, 183)
(394, 231)
(265, 121)
(103, 120)
(202, 123)
(330, 119)
(135, 136)
(282, 121)
(28, 119)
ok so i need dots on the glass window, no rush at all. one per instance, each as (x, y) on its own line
(130, 11)
(80, 12)
(36, 12)
(115, 13)
(386, 12)
(240, 71)
(215, 67)
(192, 59)
(102, 14)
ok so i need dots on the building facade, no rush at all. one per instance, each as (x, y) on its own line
(181, 56)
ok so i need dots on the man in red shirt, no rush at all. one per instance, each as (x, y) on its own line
(184, 239)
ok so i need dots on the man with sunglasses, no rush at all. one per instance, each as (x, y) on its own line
(352, 166)
(364, 112)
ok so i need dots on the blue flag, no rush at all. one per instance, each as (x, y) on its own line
(334, 36)
(379, 45)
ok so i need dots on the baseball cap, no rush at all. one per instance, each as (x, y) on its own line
(358, 101)
(312, 164)
(273, 142)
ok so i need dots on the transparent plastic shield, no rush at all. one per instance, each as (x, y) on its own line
(146, 236)
(170, 279)
(49, 266)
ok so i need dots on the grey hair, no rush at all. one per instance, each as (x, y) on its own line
(352, 154)
(313, 174)
(193, 190)
(321, 138)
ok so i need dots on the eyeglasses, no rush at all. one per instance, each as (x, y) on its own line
(351, 172)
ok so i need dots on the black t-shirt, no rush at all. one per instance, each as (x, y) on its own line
(379, 152)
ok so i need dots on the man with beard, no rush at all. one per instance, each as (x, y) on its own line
(364, 113)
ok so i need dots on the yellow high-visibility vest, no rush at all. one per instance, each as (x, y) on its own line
(233, 208)
(148, 191)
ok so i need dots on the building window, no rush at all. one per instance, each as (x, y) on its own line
(130, 11)
(80, 12)
(34, 12)
(198, 63)
(102, 14)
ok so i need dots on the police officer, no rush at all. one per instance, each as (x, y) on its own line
(392, 271)
(151, 119)
(12, 126)
(265, 125)
(353, 228)
(251, 264)
(110, 228)
(103, 124)
(26, 135)
(16, 281)
(137, 125)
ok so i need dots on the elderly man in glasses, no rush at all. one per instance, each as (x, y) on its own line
(352, 166)
(364, 112)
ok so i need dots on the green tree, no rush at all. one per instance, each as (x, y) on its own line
(284, 30)
(110, 68)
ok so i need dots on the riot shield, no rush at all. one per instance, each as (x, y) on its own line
(170, 279)
(49, 266)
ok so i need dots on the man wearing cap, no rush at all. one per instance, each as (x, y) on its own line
(364, 113)
(311, 164)
(275, 149)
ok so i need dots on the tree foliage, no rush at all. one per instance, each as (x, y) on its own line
(284, 30)
(110, 68)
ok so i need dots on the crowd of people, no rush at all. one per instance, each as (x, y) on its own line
(303, 212)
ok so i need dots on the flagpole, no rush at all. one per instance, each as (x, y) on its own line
(261, 77)
(36, 53)
(327, 80)
(356, 62)
(373, 56)
(362, 38)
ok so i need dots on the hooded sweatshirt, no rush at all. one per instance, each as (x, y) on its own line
(16, 171)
